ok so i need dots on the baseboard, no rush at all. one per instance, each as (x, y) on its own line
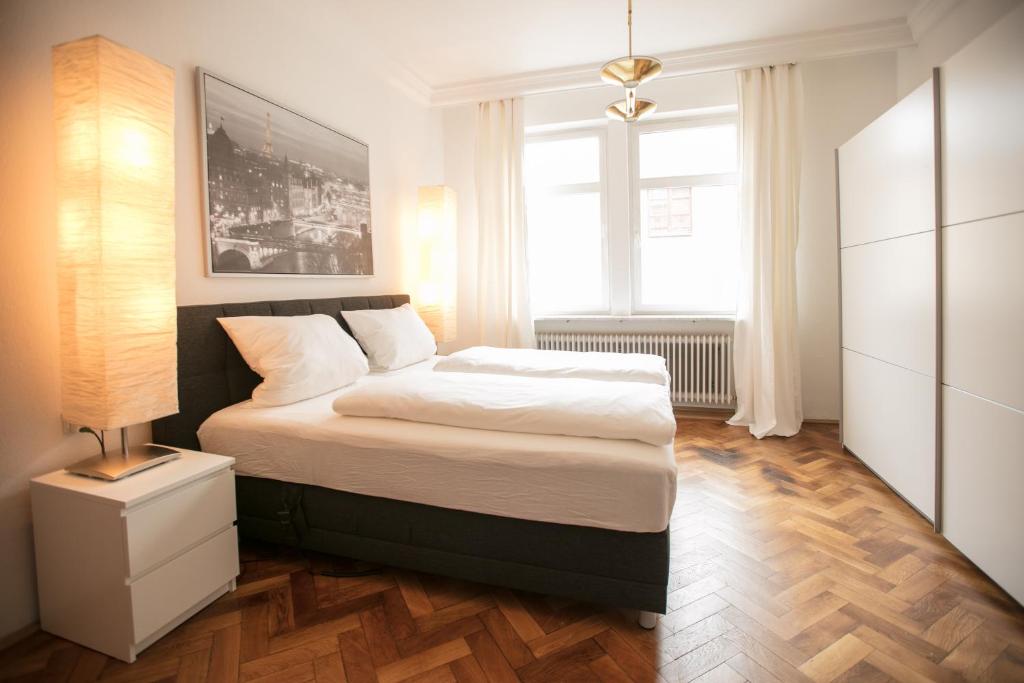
(16, 637)
(720, 414)
(724, 414)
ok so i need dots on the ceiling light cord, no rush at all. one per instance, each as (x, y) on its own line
(629, 28)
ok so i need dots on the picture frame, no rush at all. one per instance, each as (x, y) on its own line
(283, 194)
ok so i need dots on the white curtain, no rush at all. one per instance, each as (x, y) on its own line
(503, 302)
(767, 354)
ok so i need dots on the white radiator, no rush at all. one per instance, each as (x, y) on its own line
(700, 364)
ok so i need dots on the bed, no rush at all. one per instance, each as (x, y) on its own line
(578, 517)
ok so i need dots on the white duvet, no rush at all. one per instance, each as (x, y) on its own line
(599, 365)
(573, 407)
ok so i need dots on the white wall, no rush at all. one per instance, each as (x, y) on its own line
(965, 20)
(459, 162)
(305, 55)
(841, 96)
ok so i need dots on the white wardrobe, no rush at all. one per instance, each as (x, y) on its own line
(887, 240)
(932, 270)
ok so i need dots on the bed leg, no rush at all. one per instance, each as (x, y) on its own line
(647, 620)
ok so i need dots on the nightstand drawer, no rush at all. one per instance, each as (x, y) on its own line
(163, 528)
(163, 594)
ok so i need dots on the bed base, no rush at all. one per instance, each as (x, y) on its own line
(614, 568)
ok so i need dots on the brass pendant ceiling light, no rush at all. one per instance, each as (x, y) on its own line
(630, 72)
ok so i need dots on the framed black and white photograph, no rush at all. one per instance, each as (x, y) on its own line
(285, 195)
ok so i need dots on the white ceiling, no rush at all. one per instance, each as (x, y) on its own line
(445, 42)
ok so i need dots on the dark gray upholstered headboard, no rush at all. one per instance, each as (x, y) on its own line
(211, 372)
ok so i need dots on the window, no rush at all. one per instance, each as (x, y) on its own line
(658, 235)
(688, 242)
(565, 223)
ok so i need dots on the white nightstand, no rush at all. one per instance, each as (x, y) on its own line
(122, 563)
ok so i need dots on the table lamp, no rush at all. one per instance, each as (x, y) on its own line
(114, 116)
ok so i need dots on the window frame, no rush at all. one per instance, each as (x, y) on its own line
(601, 187)
(636, 184)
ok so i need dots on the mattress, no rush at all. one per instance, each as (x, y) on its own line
(604, 483)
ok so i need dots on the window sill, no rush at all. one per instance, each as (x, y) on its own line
(638, 317)
(634, 323)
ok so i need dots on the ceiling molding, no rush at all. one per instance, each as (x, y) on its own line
(803, 47)
(406, 80)
(926, 14)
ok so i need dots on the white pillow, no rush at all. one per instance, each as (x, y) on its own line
(392, 337)
(298, 357)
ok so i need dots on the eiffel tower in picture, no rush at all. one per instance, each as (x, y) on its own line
(268, 139)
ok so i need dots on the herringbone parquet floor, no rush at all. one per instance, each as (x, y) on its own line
(790, 562)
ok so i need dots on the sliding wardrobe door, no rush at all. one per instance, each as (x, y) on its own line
(888, 245)
(982, 98)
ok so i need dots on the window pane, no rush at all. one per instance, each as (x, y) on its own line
(666, 211)
(696, 271)
(688, 151)
(563, 162)
(566, 252)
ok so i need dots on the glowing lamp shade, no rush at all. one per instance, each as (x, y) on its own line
(434, 294)
(114, 115)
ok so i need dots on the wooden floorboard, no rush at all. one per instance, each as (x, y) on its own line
(790, 562)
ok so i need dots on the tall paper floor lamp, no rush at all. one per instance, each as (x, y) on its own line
(435, 291)
(114, 116)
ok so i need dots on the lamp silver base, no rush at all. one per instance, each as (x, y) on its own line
(114, 466)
